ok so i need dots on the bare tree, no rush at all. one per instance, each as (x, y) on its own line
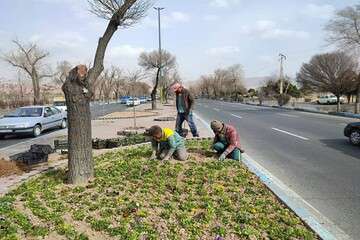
(152, 61)
(344, 31)
(29, 58)
(107, 83)
(120, 84)
(235, 85)
(62, 70)
(133, 78)
(224, 82)
(78, 89)
(330, 72)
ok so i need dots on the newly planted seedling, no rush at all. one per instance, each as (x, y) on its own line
(132, 197)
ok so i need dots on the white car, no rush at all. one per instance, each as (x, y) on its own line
(329, 99)
(60, 105)
(32, 120)
(133, 102)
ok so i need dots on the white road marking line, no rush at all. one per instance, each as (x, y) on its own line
(236, 116)
(288, 115)
(291, 134)
(216, 109)
(34, 139)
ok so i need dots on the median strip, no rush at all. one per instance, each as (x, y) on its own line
(291, 134)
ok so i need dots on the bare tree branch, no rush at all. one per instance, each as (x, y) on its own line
(29, 58)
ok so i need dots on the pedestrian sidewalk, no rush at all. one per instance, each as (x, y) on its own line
(108, 128)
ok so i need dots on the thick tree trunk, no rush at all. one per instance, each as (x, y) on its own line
(338, 104)
(81, 167)
(36, 89)
(357, 104)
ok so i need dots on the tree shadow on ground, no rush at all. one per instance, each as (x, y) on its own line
(342, 145)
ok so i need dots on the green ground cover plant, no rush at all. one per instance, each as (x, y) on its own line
(132, 197)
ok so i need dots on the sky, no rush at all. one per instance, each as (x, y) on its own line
(203, 34)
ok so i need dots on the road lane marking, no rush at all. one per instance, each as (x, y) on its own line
(216, 109)
(35, 140)
(288, 115)
(236, 116)
(319, 223)
(291, 134)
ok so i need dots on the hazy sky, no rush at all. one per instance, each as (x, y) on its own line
(203, 34)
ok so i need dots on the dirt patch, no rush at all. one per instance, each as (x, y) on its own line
(8, 168)
(128, 114)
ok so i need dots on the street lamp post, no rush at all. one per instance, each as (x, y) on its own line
(158, 9)
(282, 58)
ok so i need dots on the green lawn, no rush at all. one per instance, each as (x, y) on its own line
(134, 198)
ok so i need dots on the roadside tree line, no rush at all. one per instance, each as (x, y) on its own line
(222, 83)
(335, 72)
(114, 82)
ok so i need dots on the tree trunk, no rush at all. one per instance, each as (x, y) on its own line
(338, 104)
(36, 89)
(357, 104)
(81, 166)
(153, 92)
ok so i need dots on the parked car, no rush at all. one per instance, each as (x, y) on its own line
(124, 99)
(60, 103)
(133, 101)
(329, 99)
(148, 99)
(143, 100)
(352, 131)
(32, 120)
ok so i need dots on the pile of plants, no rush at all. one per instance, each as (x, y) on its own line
(132, 197)
(119, 142)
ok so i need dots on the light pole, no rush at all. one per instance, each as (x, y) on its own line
(282, 58)
(158, 9)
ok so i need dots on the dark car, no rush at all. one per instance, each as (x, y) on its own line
(352, 131)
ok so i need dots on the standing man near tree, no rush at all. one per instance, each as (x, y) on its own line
(184, 106)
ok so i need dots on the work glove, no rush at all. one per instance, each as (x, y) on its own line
(222, 157)
(153, 156)
(166, 158)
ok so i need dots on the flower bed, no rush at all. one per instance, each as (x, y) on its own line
(132, 197)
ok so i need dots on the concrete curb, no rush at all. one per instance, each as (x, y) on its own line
(340, 114)
(326, 229)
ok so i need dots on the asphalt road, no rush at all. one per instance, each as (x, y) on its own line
(306, 151)
(97, 110)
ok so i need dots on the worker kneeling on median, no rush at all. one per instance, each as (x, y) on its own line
(226, 141)
(167, 143)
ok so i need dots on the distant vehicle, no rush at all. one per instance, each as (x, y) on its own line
(143, 99)
(329, 99)
(32, 120)
(124, 99)
(60, 103)
(148, 99)
(352, 131)
(133, 101)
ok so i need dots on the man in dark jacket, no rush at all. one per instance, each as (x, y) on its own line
(226, 141)
(184, 106)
